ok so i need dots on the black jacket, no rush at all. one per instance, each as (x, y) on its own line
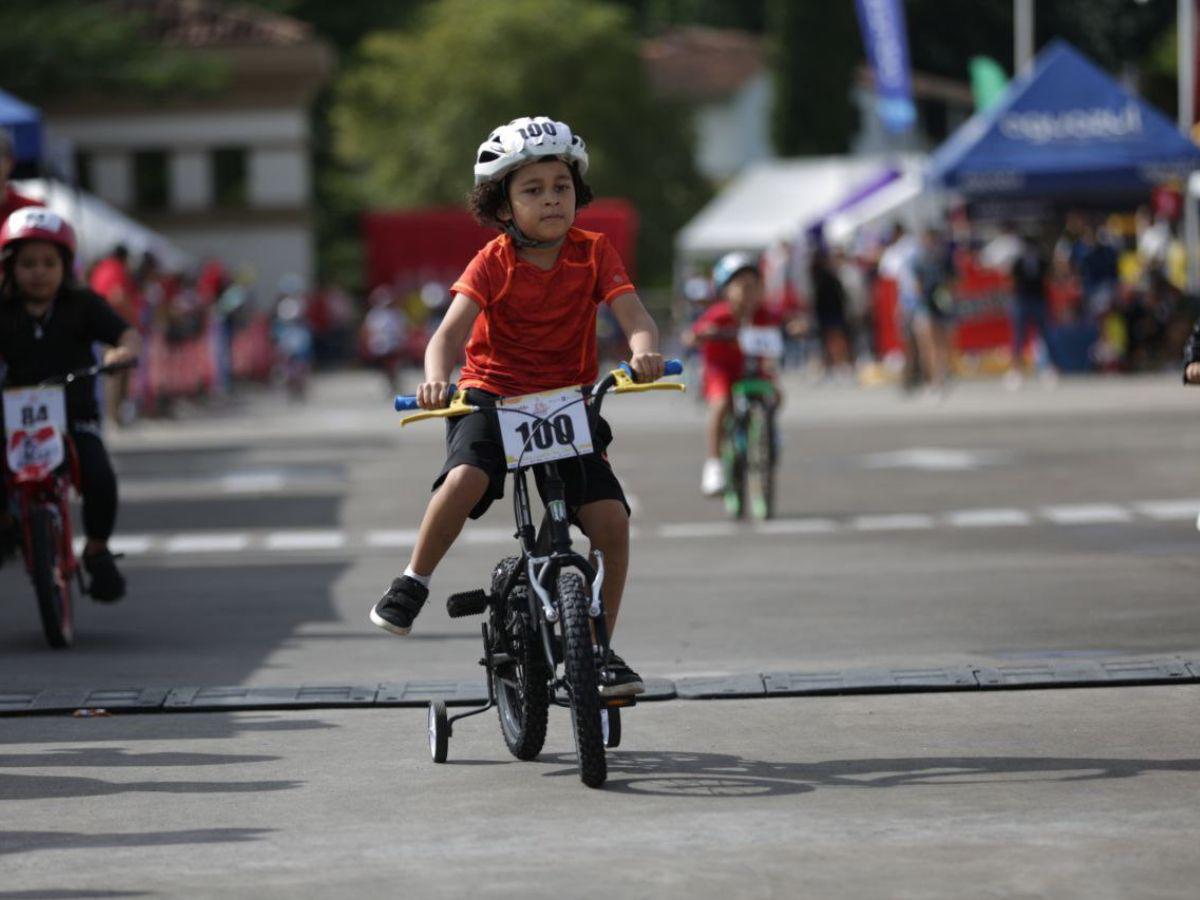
(61, 342)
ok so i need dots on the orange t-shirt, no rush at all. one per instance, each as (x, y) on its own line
(537, 328)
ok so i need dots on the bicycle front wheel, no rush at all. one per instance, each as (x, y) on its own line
(760, 458)
(583, 687)
(51, 582)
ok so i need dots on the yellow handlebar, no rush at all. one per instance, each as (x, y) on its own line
(458, 407)
(626, 384)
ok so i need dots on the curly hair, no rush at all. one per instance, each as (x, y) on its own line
(487, 200)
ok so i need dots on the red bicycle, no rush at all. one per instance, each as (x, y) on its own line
(42, 469)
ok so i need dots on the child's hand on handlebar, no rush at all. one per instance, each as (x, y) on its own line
(434, 394)
(1192, 373)
(117, 356)
(646, 367)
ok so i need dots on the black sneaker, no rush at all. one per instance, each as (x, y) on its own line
(618, 680)
(400, 605)
(106, 583)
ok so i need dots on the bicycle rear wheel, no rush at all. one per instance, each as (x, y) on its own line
(522, 684)
(51, 582)
(582, 681)
(734, 458)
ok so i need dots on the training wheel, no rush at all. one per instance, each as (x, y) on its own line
(439, 731)
(610, 722)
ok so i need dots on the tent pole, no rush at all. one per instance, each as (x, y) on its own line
(1186, 29)
(1022, 35)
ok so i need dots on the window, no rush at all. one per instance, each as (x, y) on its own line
(150, 188)
(229, 176)
(83, 170)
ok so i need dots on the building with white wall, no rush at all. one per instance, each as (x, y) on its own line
(225, 173)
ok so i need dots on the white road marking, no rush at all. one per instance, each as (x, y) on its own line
(202, 542)
(797, 526)
(1087, 514)
(207, 542)
(305, 540)
(897, 522)
(697, 529)
(253, 483)
(1169, 510)
(400, 538)
(935, 459)
(988, 518)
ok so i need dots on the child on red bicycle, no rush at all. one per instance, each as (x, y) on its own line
(48, 326)
(737, 284)
(525, 309)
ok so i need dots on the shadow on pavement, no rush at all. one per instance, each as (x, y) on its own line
(44, 787)
(681, 774)
(201, 625)
(115, 757)
(60, 894)
(26, 841)
(160, 726)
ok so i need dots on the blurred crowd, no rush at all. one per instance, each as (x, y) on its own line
(1087, 290)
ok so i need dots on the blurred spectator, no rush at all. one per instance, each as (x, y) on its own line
(1094, 259)
(936, 311)
(898, 262)
(1001, 251)
(829, 302)
(384, 335)
(112, 279)
(859, 313)
(1029, 273)
(10, 200)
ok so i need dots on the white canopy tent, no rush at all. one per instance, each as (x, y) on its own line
(774, 200)
(99, 227)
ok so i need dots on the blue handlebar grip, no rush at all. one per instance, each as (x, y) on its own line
(406, 402)
(670, 367)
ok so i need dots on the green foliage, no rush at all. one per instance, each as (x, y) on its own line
(61, 47)
(816, 51)
(410, 113)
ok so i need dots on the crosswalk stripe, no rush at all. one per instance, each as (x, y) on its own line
(300, 540)
(988, 518)
(305, 540)
(1087, 514)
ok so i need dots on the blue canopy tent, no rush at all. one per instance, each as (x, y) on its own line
(24, 123)
(1064, 131)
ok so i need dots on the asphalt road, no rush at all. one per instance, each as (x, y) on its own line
(992, 528)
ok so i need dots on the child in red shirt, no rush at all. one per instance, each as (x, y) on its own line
(737, 283)
(526, 310)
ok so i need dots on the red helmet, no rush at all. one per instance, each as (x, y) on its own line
(36, 223)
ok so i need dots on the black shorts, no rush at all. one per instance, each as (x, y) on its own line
(474, 440)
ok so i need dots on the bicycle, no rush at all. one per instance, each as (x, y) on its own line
(544, 607)
(42, 470)
(749, 437)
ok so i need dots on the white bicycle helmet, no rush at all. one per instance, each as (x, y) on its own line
(525, 140)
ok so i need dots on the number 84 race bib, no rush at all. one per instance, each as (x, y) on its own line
(539, 428)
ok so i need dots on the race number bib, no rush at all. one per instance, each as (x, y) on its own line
(35, 420)
(761, 341)
(539, 428)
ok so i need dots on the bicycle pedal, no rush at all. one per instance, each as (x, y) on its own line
(468, 603)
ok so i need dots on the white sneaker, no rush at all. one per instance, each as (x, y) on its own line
(712, 479)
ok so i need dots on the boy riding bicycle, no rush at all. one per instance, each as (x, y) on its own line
(525, 309)
(737, 283)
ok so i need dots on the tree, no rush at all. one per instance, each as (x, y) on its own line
(816, 52)
(60, 47)
(413, 109)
